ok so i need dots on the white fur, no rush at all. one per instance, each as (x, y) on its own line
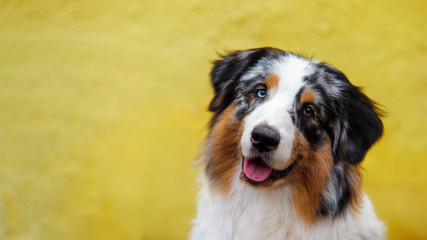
(269, 213)
(275, 110)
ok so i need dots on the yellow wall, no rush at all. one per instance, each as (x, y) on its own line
(103, 105)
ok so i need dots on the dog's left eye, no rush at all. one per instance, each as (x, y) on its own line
(308, 111)
(261, 93)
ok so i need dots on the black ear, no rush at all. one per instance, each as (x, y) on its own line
(224, 76)
(227, 71)
(359, 125)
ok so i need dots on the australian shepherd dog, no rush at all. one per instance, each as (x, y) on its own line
(283, 152)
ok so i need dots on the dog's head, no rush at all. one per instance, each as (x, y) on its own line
(280, 117)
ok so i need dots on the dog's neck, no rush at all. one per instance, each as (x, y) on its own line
(245, 208)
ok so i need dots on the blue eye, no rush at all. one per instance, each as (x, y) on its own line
(261, 93)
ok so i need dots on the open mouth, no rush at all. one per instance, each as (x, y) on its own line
(257, 172)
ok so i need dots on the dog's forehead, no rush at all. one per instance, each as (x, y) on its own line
(290, 70)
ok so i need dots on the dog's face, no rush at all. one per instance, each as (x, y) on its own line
(279, 116)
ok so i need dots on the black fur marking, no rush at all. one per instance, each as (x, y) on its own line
(337, 194)
(226, 73)
(309, 126)
(358, 125)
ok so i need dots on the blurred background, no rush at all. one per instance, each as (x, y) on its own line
(104, 106)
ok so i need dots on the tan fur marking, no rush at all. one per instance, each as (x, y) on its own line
(307, 96)
(272, 81)
(223, 148)
(217, 101)
(310, 176)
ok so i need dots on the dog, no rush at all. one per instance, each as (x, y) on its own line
(283, 152)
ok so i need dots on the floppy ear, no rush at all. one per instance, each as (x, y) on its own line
(223, 74)
(359, 125)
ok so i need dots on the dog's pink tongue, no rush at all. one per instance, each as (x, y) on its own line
(256, 171)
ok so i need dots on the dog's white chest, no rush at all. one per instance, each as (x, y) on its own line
(248, 213)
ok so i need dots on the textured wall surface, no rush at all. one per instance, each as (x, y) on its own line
(103, 106)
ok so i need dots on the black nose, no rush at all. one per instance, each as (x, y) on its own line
(265, 138)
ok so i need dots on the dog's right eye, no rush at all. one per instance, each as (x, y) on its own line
(261, 93)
